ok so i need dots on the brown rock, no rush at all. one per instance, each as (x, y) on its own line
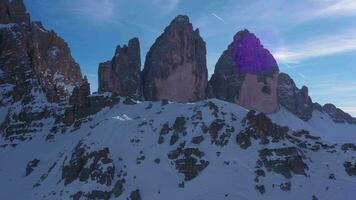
(256, 95)
(175, 67)
(56, 70)
(13, 11)
(246, 74)
(121, 75)
(295, 100)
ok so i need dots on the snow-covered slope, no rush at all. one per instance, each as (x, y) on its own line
(208, 150)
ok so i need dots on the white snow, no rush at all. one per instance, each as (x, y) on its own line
(117, 127)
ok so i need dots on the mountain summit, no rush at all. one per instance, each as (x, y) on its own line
(175, 67)
(247, 74)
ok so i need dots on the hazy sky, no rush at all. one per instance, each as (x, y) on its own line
(313, 40)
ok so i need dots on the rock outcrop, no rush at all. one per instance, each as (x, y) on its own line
(121, 75)
(57, 71)
(296, 101)
(175, 67)
(247, 74)
(13, 11)
(338, 115)
(29, 52)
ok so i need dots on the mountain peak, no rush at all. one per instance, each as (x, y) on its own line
(175, 66)
(250, 55)
(181, 19)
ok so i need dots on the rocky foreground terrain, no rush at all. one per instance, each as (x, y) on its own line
(166, 132)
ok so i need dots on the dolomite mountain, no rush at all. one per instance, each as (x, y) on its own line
(247, 74)
(27, 44)
(121, 75)
(175, 67)
(59, 141)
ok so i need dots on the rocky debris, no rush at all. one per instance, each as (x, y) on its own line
(260, 188)
(284, 161)
(303, 139)
(314, 197)
(22, 123)
(188, 161)
(348, 147)
(31, 166)
(83, 105)
(13, 11)
(96, 167)
(296, 101)
(246, 74)
(177, 129)
(175, 67)
(45, 175)
(135, 195)
(121, 75)
(197, 139)
(350, 168)
(338, 115)
(259, 126)
(220, 132)
(83, 166)
(285, 186)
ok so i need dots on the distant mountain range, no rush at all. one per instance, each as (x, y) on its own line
(166, 132)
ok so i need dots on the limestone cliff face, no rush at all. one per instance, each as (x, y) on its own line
(32, 54)
(13, 11)
(259, 95)
(121, 75)
(175, 67)
(57, 71)
(247, 74)
(297, 101)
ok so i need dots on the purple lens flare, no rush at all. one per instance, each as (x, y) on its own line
(252, 57)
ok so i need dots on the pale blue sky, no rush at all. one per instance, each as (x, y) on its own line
(313, 40)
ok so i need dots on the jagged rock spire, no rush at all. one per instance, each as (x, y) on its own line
(121, 75)
(36, 54)
(246, 74)
(175, 67)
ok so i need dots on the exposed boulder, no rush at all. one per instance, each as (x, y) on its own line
(296, 101)
(246, 74)
(121, 75)
(175, 67)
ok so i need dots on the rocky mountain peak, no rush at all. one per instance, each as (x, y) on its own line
(180, 21)
(121, 75)
(250, 55)
(13, 11)
(295, 100)
(175, 67)
(246, 74)
(35, 51)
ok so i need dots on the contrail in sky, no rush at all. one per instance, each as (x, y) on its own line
(218, 17)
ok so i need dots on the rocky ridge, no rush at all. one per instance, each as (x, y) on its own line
(77, 145)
